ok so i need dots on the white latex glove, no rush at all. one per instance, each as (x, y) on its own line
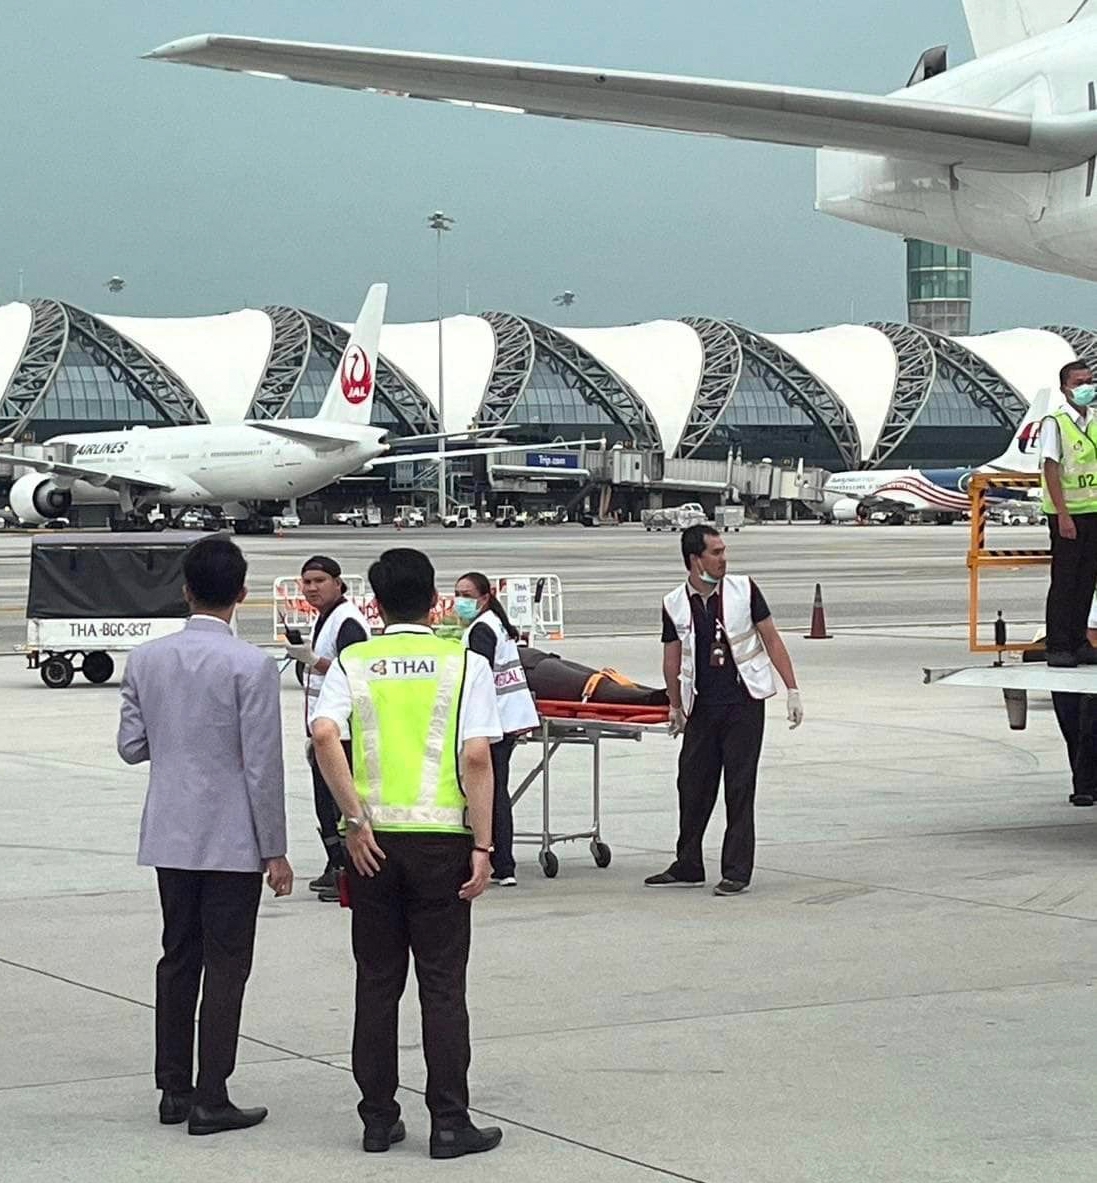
(795, 710)
(302, 653)
(677, 722)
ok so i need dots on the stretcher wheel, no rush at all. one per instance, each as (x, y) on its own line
(57, 673)
(603, 856)
(550, 864)
(98, 668)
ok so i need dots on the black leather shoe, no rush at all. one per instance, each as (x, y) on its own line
(1061, 659)
(669, 879)
(730, 887)
(377, 1139)
(175, 1107)
(470, 1140)
(323, 882)
(1077, 799)
(224, 1117)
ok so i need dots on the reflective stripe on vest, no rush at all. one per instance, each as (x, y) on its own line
(517, 711)
(406, 690)
(1077, 466)
(747, 650)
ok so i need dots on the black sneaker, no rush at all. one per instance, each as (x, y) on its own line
(323, 882)
(729, 887)
(377, 1139)
(1061, 659)
(470, 1140)
(329, 895)
(669, 879)
(1081, 799)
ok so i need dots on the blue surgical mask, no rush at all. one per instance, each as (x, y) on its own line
(1084, 395)
(467, 608)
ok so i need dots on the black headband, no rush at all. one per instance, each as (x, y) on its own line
(323, 563)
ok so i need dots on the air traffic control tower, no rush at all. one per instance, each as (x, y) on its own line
(938, 288)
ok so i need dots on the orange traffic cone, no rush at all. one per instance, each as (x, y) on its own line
(818, 618)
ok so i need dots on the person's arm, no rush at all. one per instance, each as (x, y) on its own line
(259, 712)
(480, 727)
(782, 663)
(133, 740)
(672, 670)
(482, 640)
(1053, 481)
(351, 632)
(333, 709)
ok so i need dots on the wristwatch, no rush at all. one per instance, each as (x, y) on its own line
(357, 824)
(485, 849)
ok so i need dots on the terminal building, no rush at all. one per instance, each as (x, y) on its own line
(682, 399)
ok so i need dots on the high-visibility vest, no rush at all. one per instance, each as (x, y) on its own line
(516, 708)
(747, 651)
(406, 690)
(1077, 466)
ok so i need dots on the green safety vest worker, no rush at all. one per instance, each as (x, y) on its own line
(406, 689)
(1077, 467)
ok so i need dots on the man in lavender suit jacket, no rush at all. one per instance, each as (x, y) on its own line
(202, 707)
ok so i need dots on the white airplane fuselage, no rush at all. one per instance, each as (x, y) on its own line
(1042, 220)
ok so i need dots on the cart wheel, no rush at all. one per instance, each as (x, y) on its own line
(57, 673)
(603, 856)
(299, 672)
(550, 864)
(98, 668)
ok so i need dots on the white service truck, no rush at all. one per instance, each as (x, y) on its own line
(678, 517)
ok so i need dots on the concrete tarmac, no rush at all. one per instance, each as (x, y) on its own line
(903, 996)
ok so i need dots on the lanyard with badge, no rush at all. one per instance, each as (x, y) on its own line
(718, 651)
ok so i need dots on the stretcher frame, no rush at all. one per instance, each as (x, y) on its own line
(553, 733)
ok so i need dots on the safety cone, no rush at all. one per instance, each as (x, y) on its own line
(818, 618)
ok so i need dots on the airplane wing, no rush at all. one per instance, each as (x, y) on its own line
(405, 457)
(101, 478)
(315, 432)
(978, 138)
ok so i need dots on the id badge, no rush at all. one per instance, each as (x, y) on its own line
(718, 654)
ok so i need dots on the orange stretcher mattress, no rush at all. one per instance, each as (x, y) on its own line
(603, 712)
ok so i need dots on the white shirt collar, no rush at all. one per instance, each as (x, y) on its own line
(1079, 417)
(406, 628)
(206, 616)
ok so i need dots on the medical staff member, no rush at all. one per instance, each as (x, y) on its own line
(490, 633)
(423, 716)
(720, 651)
(1068, 463)
(338, 624)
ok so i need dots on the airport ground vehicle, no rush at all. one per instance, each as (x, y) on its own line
(507, 517)
(676, 517)
(463, 517)
(370, 515)
(287, 521)
(409, 517)
(93, 595)
(730, 517)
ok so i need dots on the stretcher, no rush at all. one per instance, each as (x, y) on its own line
(585, 724)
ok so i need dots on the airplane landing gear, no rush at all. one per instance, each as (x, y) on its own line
(257, 524)
(135, 523)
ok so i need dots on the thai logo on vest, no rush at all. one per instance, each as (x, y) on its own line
(403, 668)
(356, 375)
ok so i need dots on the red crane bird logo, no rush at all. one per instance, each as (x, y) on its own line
(356, 375)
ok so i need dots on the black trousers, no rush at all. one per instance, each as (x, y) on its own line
(209, 935)
(411, 907)
(1073, 578)
(719, 740)
(327, 811)
(1077, 717)
(502, 817)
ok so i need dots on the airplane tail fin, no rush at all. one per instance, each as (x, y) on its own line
(994, 24)
(350, 396)
(1023, 453)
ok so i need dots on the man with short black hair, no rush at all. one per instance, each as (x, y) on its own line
(202, 707)
(720, 651)
(417, 807)
(338, 625)
(1068, 464)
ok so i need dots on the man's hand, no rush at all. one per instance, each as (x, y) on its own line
(795, 710)
(364, 852)
(302, 653)
(481, 873)
(279, 875)
(1068, 528)
(677, 722)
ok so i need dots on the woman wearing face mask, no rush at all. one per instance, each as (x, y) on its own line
(489, 632)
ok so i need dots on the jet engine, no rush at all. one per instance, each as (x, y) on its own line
(37, 499)
(845, 510)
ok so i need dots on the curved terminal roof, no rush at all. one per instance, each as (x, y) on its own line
(657, 368)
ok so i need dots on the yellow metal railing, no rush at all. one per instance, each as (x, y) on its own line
(980, 557)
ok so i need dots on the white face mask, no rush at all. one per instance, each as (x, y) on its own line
(1084, 396)
(707, 578)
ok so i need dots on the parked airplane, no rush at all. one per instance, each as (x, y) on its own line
(997, 155)
(236, 467)
(940, 494)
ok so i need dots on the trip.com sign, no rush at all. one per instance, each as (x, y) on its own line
(552, 460)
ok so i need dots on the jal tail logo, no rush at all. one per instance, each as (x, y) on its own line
(1026, 441)
(356, 376)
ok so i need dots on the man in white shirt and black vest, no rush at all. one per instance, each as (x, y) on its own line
(338, 625)
(720, 651)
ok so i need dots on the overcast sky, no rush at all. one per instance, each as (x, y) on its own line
(209, 191)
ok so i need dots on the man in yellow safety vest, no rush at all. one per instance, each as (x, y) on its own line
(1068, 460)
(417, 807)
